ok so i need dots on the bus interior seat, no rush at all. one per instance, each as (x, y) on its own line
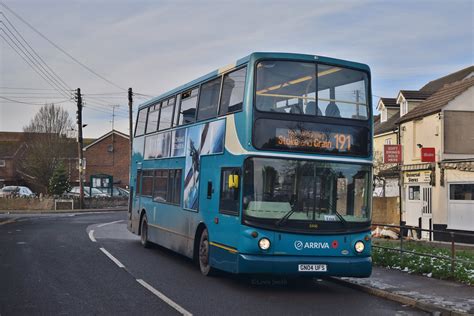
(332, 110)
(311, 108)
(296, 108)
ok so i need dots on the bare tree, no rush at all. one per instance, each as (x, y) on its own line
(47, 144)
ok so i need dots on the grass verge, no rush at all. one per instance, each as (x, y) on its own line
(432, 267)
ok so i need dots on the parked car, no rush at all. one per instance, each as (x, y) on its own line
(75, 191)
(16, 190)
(117, 192)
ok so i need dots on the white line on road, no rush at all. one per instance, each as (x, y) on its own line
(164, 298)
(91, 235)
(112, 258)
(105, 224)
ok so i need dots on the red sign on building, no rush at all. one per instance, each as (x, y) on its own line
(428, 154)
(392, 153)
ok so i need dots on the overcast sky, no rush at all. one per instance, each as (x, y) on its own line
(154, 46)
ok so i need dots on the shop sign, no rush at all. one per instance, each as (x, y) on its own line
(417, 177)
(428, 154)
(392, 153)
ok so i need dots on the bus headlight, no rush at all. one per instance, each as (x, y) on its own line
(264, 243)
(359, 246)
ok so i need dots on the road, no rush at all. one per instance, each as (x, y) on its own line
(90, 264)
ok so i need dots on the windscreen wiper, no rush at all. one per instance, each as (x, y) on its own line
(284, 219)
(341, 218)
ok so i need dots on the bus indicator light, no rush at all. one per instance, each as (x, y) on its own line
(335, 244)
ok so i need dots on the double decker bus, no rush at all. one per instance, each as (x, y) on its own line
(263, 166)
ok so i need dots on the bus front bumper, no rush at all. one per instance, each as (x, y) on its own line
(288, 265)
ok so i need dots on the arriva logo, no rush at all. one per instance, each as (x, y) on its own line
(299, 245)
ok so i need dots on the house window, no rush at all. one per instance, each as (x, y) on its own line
(388, 141)
(2, 163)
(383, 116)
(404, 108)
(414, 192)
(461, 191)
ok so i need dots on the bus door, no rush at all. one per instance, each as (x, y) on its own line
(226, 202)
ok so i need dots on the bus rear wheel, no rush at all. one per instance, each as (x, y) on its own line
(203, 255)
(144, 232)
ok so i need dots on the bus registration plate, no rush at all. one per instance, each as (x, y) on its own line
(312, 268)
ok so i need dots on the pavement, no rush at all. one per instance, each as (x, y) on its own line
(428, 294)
(88, 210)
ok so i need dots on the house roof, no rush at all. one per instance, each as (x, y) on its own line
(439, 99)
(387, 126)
(415, 94)
(437, 84)
(101, 138)
(390, 102)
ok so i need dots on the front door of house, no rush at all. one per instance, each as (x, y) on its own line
(418, 207)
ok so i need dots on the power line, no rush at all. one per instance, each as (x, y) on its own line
(32, 67)
(57, 76)
(15, 101)
(33, 59)
(20, 88)
(59, 48)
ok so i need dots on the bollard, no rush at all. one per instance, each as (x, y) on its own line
(453, 254)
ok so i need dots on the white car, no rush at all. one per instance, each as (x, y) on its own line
(16, 190)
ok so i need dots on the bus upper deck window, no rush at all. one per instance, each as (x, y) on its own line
(233, 91)
(188, 107)
(209, 99)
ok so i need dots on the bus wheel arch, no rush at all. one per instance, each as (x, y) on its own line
(144, 240)
(197, 238)
(142, 214)
(203, 252)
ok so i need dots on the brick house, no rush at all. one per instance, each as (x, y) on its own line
(14, 148)
(109, 155)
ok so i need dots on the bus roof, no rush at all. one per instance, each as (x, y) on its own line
(253, 57)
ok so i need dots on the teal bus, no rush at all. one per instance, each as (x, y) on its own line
(260, 167)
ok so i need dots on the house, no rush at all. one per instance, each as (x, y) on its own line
(438, 194)
(438, 191)
(109, 155)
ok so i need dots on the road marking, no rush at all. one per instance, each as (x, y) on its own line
(164, 298)
(8, 221)
(21, 243)
(105, 224)
(112, 258)
(91, 235)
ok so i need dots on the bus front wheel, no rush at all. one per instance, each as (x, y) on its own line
(204, 248)
(144, 232)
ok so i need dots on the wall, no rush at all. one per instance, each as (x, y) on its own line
(47, 204)
(100, 160)
(385, 210)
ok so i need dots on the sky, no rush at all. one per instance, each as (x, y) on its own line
(155, 46)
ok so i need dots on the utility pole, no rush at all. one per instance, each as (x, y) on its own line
(130, 123)
(79, 147)
(130, 118)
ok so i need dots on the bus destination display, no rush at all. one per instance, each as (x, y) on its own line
(311, 137)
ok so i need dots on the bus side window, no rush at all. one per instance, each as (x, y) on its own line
(141, 122)
(209, 99)
(232, 95)
(138, 185)
(187, 112)
(229, 195)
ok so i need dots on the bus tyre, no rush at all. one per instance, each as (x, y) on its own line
(203, 257)
(144, 233)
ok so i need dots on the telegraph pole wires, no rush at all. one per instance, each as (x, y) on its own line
(79, 147)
